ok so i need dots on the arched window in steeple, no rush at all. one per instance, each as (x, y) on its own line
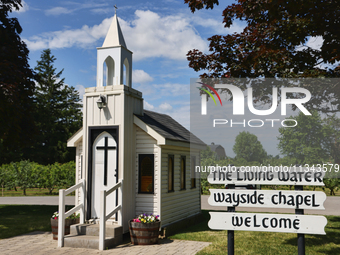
(109, 71)
(126, 73)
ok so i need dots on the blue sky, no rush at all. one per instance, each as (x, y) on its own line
(159, 33)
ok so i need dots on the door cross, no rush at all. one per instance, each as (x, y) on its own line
(106, 147)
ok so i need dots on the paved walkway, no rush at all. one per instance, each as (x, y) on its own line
(41, 243)
(35, 200)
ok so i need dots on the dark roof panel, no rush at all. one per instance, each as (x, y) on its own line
(168, 127)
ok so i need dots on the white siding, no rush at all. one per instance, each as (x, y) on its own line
(145, 144)
(79, 153)
(179, 204)
(122, 103)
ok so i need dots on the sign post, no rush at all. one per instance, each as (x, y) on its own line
(231, 242)
(299, 200)
(300, 237)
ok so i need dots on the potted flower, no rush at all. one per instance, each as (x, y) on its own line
(72, 219)
(144, 229)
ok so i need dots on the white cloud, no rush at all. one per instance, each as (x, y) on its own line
(57, 11)
(217, 25)
(165, 107)
(180, 114)
(84, 37)
(81, 90)
(24, 7)
(139, 76)
(149, 35)
(164, 90)
(148, 106)
(315, 42)
(73, 6)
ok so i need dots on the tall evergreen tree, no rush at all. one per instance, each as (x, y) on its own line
(58, 113)
(16, 87)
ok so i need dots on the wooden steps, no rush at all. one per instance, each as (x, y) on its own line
(87, 236)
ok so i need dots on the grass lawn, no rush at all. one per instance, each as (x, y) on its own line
(247, 242)
(20, 219)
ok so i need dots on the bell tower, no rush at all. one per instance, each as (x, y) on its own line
(114, 60)
(109, 131)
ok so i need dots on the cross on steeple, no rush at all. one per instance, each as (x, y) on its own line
(115, 6)
(106, 147)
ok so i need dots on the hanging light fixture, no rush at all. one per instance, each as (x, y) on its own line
(101, 102)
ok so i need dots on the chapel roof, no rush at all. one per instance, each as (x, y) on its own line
(168, 127)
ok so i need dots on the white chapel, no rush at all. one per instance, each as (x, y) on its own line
(149, 156)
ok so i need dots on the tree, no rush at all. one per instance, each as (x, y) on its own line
(5, 177)
(16, 87)
(54, 177)
(331, 181)
(268, 45)
(332, 127)
(25, 176)
(274, 44)
(307, 141)
(248, 147)
(58, 113)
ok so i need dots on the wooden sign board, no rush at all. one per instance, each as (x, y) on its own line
(259, 175)
(268, 198)
(286, 223)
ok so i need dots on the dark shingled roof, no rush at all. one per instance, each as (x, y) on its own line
(168, 127)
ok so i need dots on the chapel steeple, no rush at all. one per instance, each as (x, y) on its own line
(115, 55)
(114, 36)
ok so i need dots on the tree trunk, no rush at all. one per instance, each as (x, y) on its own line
(2, 185)
(24, 191)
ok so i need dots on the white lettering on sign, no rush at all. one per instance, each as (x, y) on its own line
(301, 224)
(268, 198)
(261, 175)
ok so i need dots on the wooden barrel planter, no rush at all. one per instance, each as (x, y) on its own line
(144, 233)
(68, 223)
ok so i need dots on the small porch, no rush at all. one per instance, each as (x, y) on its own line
(99, 234)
